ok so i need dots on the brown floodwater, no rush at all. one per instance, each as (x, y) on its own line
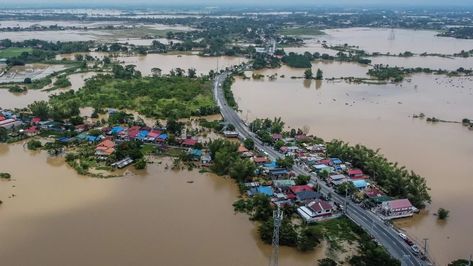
(10, 100)
(151, 217)
(167, 62)
(380, 40)
(379, 116)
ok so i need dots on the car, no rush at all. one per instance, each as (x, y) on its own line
(415, 249)
(409, 242)
(402, 235)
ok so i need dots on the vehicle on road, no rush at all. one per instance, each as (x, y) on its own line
(403, 236)
(415, 249)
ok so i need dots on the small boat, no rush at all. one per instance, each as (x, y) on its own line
(190, 181)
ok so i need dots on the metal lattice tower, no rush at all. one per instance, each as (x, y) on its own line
(277, 216)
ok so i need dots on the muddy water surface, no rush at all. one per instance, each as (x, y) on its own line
(151, 217)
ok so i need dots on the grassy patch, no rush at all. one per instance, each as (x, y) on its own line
(337, 230)
(13, 52)
(148, 149)
(302, 31)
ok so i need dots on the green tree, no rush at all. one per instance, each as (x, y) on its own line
(442, 213)
(346, 187)
(309, 238)
(308, 74)
(319, 74)
(286, 162)
(249, 143)
(40, 109)
(242, 169)
(140, 164)
(327, 262)
(3, 134)
(278, 144)
(5, 176)
(34, 144)
(302, 179)
(459, 262)
(191, 73)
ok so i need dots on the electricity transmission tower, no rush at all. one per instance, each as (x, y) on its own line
(277, 216)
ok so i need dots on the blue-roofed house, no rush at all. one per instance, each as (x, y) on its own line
(270, 165)
(360, 183)
(278, 172)
(265, 190)
(142, 134)
(64, 139)
(336, 161)
(92, 139)
(195, 153)
(117, 129)
(163, 137)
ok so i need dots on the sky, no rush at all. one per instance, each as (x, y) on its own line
(240, 3)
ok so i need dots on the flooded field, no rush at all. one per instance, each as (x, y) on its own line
(147, 217)
(395, 41)
(91, 34)
(379, 116)
(33, 71)
(10, 100)
(167, 62)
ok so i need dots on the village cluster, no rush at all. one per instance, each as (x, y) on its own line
(278, 182)
(313, 205)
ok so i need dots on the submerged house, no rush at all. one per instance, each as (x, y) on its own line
(397, 209)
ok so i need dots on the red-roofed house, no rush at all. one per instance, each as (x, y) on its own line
(35, 120)
(260, 160)
(296, 189)
(105, 148)
(356, 174)
(315, 210)
(189, 142)
(242, 149)
(373, 192)
(153, 135)
(33, 130)
(133, 131)
(276, 137)
(397, 208)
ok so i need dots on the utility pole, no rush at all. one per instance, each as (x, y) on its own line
(425, 246)
(277, 216)
(346, 200)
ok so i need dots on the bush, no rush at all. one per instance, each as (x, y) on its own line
(442, 213)
(34, 145)
(140, 164)
(5, 176)
(70, 157)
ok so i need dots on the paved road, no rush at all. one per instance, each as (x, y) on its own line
(382, 232)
